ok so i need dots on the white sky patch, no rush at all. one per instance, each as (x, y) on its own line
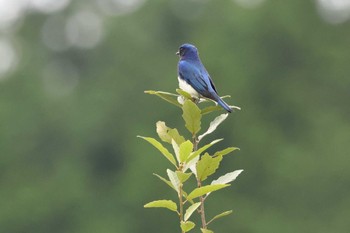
(8, 57)
(10, 12)
(119, 7)
(53, 33)
(84, 30)
(49, 6)
(13, 10)
(334, 11)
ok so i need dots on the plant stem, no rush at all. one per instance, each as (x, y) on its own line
(202, 210)
(181, 206)
(199, 184)
(195, 142)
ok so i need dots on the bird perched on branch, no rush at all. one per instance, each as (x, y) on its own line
(194, 78)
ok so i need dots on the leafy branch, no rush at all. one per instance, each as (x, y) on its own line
(188, 159)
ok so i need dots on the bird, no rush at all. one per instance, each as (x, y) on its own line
(194, 78)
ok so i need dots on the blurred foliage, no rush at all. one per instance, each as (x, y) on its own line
(70, 160)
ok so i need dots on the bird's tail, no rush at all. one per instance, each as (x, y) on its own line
(222, 103)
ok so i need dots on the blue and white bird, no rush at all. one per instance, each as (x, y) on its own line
(194, 78)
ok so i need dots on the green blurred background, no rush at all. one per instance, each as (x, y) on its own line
(72, 76)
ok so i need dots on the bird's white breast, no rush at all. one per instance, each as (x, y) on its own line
(187, 87)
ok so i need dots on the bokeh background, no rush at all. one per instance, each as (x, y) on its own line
(72, 76)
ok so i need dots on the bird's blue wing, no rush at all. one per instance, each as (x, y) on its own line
(196, 77)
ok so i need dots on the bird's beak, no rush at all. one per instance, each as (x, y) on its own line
(177, 53)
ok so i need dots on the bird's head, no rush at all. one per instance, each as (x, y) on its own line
(187, 51)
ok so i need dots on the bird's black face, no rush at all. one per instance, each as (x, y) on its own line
(187, 50)
(181, 51)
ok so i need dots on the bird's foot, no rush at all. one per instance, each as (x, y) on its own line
(195, 100)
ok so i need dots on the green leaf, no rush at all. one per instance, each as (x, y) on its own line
(202, 149)
(174, 134)
(205, 189)
(216, 107)
(176, 149)
(162, 131)
(191, 209)
(174, 180)
(184, 93)
(225, 96)
(166, 134)
(162, 204)
(161, 148)
(169, 97)
(225, 151)
(206, 231)
(227, 178)
(171, 185)
(213, 125)
(235, 107)
(223, 214)
(152, 92)
(192, 116)
(191, 165)
(210, 109)
(183, 176)
(165, 180)
(187, 226)
(207, 166)
(185, 150)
